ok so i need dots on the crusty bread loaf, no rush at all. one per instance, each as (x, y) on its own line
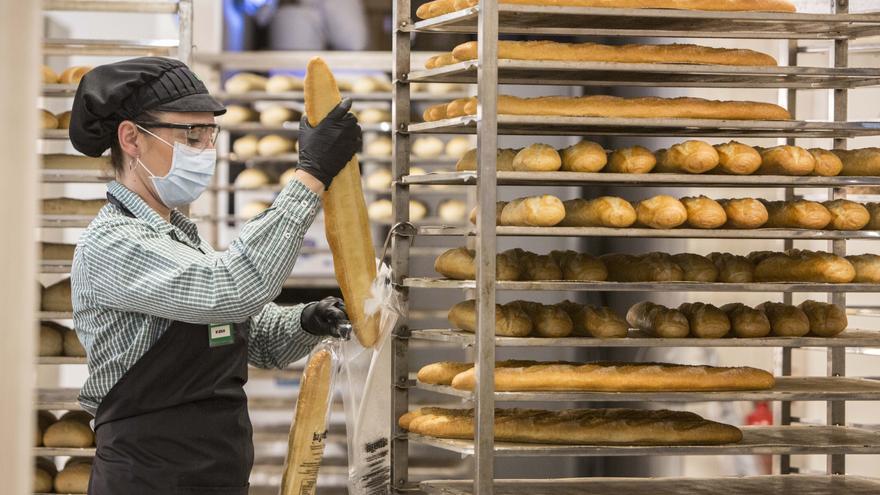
(786, 320)
(503, 161)
(604, 211)
(458, 107)
(827, 163)
(804, 266)
(733, 269)
(661, 212)
(458, 146)
(458, 264)
(444, 372)
(867, 268)
(645, 268)
(631, 160)
(874, 211)
(72, 345)
(251, 178)
(592, 321)
(452, 210)
(69, 433)
(441, 60)
(658, 321)
(44, 475)
(585, 156)
(744, 213)
(695, 268)
(704, 213)
(283, 83)
(581, 267)
(577, 427)
(847, 215)
(537, 157)
(737, 159)
(45, 419)
(509, 321)
(547, 320)
(245, 82)
(73, 75)
(799, 214)
(56, 297)
(705, 320)
(864, 162)
(746, 322)
(277, 115)
(534, 266)
(74, 478)
(48, 75)
(237, 114)
(435, 112)
(48, 120)
(499, 207)
(786, 160)
(534, 211)
(826, 320)
(245, 147)
(689, 157)
(630, 53)
(51, 339)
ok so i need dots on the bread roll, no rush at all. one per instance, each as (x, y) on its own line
(799, 214)
(863, 162)
(499, 207)
(867, 268)
(580, 267)
(605, 211)
(73, 75)
(733, 269)
(274, 145)
(786, 320)
(379, 147)
(705, 320)
(70, 206)
(509, 321)
(746, 322)
(547, 321)
(503, 161)
(458, 264)
(535, 211)
(847, 215)
(696, 268)
(645, 268)
(826, 320)
(251, 178)
(658, 321)
(537, 158)
(704, 213)
(287, 176)
(370, 84)
(661, 212)
(373, 116)
(69, 433)
(51, 339)
(435, 112)
(74, 478)
(874, 211)
(786, 160)
(452, 210)
(381, 210)
(282, 83)
(631, 160)
(45, 419)
(744, 213)
(44, 476)
(737, 159)
(689, 157)
(48, 120)
(245, 82)
(591, 321)
(72, 346)
(252, 209)
(458, 146)
(804, 266)
(277, 115)
(56, 297)
(456, 108)
(827, 163)
(379, 181)
(63, 120)
(245, 147)
(535, 266)
(237, 114)
(585, 156)
(427, 147)
(48, 75)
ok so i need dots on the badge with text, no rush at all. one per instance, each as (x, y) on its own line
(220, 334)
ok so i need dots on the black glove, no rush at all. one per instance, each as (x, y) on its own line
(326, 317)
(324, 150)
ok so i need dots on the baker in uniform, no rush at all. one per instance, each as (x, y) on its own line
(168, 324)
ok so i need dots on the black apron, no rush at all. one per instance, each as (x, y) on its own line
(177, 421)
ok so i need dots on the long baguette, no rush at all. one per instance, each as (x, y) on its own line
(629, 268)
(605, 211)
(345, 214)
(444, 372)
(800, 214)
(658, 321)
(861, 162)
(803, 266)
(535, 211)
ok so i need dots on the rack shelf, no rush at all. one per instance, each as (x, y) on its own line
(63, 452)
(76, 176)
(573, 21)
(60, 360)
(55, 134)
(110, 48)
(59, 90)
(55, 266)
(298, 95)
(55, 315)
(683, 233)
(130, 6)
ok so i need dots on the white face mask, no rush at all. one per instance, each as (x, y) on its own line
(191, 172)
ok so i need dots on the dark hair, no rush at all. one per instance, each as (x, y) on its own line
(117, 157)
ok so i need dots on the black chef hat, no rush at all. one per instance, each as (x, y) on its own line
(109, 94)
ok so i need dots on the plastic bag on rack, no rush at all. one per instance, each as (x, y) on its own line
(311, 416)
(366, 387)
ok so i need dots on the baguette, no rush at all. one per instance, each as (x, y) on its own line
(705, 320)
(547, 321)
(631, 160)
(863, 162)
(435, 112)
(704, 213)
(786, 320)
(73, 75)
(441, 60)
(458, 264)
(443, 372)
(630, 53)
(786, 160)
(585, 156)
(48, 75)
(689, 157)
(628, 268)
(847, 215)
(499, 207)
(658, 321)
(534, 266)
(581, 267)
(458, 107)
(510, 321)
(746, 322)
(347, 226)
(605, 211)
(503, 161)
(696, 268)
(867, 268)
(535, 211)
(874, 211)
(804, 266)
(737, 159)
(245, 82)
(435, 8)
(592, 321)
(826, 320)
(733, 269)
(537, 158)
(744, 213)
(827, 163)
(577, 427)
(800, 214)
(661, 212)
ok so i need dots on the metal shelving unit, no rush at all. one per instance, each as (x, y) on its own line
(489, 19)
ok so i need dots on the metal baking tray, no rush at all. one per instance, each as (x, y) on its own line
(55, 266)
(133, 6)
(60, 360)
(786, 389)
(756, 440)
(59, 90)
(65, 221)
(638, 180)
(564, 285)
(110, 48)
(55, 134)
(55, 315)
(849, 338)
(683, 233)
(545, 72)
(76, 176)
(574, 21)
(535, 125)
(58, 399)
(63, 452)
(751, 485)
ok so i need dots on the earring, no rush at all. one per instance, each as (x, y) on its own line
(131, 164)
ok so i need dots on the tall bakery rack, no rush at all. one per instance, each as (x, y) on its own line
(487, 20)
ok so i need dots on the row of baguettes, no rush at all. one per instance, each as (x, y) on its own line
(699, 212)
(576, 426)
(761, 266)
(536, 376)
(689, 157)
(437, 8)
(614, 107)
(697, 320)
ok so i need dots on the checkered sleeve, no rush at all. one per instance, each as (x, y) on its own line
(277, 338)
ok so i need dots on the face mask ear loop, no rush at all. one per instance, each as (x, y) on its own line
(155, 136)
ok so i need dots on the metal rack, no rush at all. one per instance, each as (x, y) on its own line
(488, 20)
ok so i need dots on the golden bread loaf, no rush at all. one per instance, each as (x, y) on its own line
(746, 322)
(827, 163)
(51, 339)
(69, 433)
(644, 268)
(534, 266)
(695, 268)
(535, 211)
(786, 160)
(733, 269)
(803, 266)
(503, 161)
(74, 478)
(863, 162)
(591, 321)
(537, 158)
(73, 75)
(744, 213)
(458, 264)
(580, 267)
(847, 215)
(605, 211)
(661, 212)
(585, 156)
(689, 157)
(48, 76)
(631, 160)
(786, 320)
(705, 320)
(658, 321)
(826, 320)
(704, 213)
(737, 159)
(509, 321)
(799, 214)
(547, 320)
(56, 297)
(867, 268)
(48, 120)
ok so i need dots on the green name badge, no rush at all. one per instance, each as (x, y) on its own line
(220, 334)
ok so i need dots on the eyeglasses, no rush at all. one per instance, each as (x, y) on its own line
(197, 135)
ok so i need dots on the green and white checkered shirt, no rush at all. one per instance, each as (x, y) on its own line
(132, 276)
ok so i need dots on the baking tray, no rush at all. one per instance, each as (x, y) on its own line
(132, 6)
(683, 233)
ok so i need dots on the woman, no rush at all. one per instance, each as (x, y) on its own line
(169, 325)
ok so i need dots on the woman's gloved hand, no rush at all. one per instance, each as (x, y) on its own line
(325, 149)
(326, 317)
